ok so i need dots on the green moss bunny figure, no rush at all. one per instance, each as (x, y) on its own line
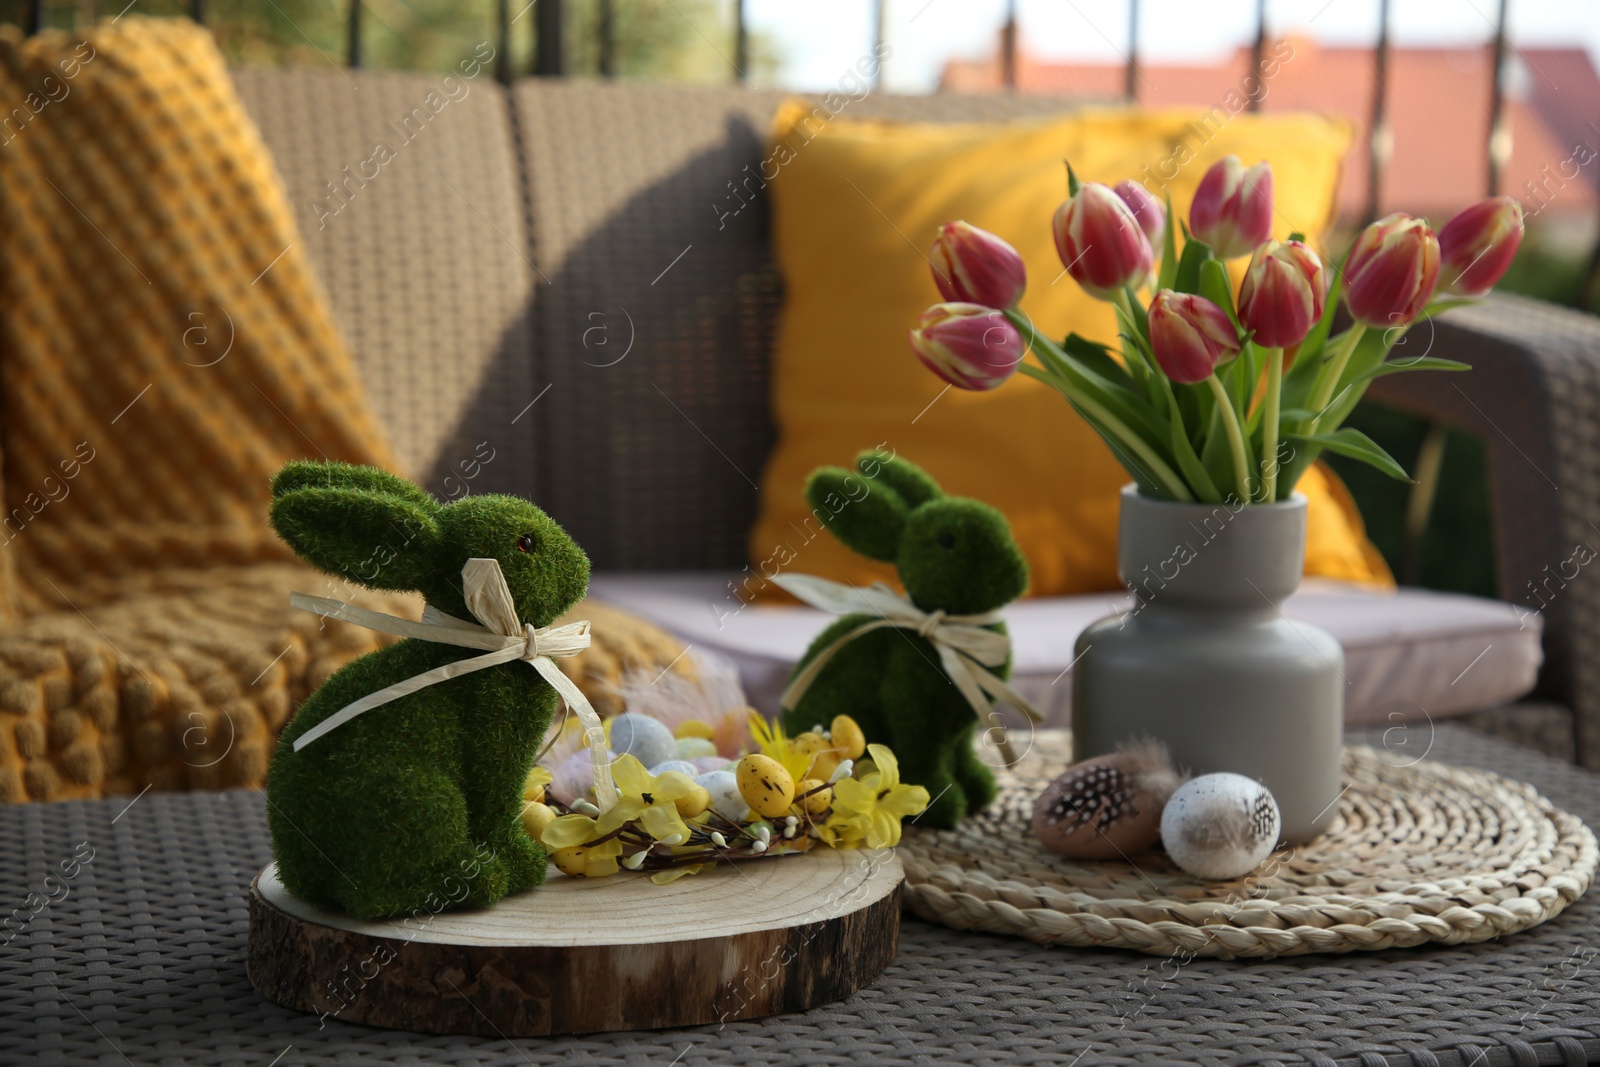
(414, 806)
(954, 555)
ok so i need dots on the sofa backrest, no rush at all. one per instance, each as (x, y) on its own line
(573, 277)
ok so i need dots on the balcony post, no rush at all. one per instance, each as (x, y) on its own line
(549, 59)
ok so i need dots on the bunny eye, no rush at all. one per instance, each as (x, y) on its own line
(947, 540)
(526, 543)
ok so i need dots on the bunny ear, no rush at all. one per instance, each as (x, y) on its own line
(317, 474)
(904, 477)
(867, 516)
(375, 539)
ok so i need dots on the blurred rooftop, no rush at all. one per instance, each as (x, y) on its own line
(1438, 103)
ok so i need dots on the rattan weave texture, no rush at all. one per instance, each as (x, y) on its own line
(144, 959)
(1418, 851)
(414, 220)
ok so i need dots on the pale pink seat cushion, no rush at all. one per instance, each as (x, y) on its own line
(1409, 654)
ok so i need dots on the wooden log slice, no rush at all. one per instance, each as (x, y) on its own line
(736, 941)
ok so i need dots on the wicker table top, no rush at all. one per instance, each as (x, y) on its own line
(139, 959)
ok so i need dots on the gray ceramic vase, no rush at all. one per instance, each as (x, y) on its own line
(1206, 660)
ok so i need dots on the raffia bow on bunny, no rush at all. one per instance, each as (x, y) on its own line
(417, 807)
(498, 632)
(917, 672)
(965, 644)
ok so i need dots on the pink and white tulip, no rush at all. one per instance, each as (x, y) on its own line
(1477, 246)
(1101, 243)
(968, 345)
(974, 266)
(1392, 271)
(1190, 336)
(1282, 294)
(1232, 209)
(1150, 213)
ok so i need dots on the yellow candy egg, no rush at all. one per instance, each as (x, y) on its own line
(765, 785)
(695, 803)
(695, 728)
(819, 754)
(817, 802)
(573, 860)
(535, 817)
(693, 798)
(848, 738)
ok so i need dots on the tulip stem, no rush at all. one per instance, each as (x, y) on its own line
(1269, 425)
(1114, 427)
(1230, 422)
(1328, 378)
(1131, 352)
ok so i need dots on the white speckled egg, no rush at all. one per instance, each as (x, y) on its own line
(682, 766)
(647, 740)
(691, 747)
(1220, 826)
(726, 800)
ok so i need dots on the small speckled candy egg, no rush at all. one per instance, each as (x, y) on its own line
(726, 800)
(646, 739)
(767, 786)
(820, 799)
(1220, 826)
(847, 737)
(535, 817)
(696, 728)
(1107, 807)
(682, 766)
(706, 764)
(690, 747)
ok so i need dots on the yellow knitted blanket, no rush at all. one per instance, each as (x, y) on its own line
(164, 348)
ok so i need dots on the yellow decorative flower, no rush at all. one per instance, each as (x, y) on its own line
(534, 785)
(869, 809)
(657, 797)
(774, 743)
(652, 800)
(672, 874)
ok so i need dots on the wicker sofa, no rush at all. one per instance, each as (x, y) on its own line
(550, 275)
(609, 288)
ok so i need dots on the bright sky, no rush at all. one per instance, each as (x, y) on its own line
(820, 39)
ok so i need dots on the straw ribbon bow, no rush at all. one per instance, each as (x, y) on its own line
(966, 647)
(498, 632)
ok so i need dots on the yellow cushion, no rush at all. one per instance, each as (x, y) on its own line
(856, 204)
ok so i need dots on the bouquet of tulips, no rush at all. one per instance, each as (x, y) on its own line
(1216, 396)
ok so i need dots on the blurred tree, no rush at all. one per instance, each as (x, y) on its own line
(666, 40)
(657, 40)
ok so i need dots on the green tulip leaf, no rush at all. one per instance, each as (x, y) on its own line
(1169, 250)
(1400, 366)
(1353, 444)
(1217, 287)
(1189, 465)
(1097, 357)
(1187, 280)
(1446, 303)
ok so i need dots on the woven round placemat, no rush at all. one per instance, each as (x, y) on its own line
(1418, 852)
